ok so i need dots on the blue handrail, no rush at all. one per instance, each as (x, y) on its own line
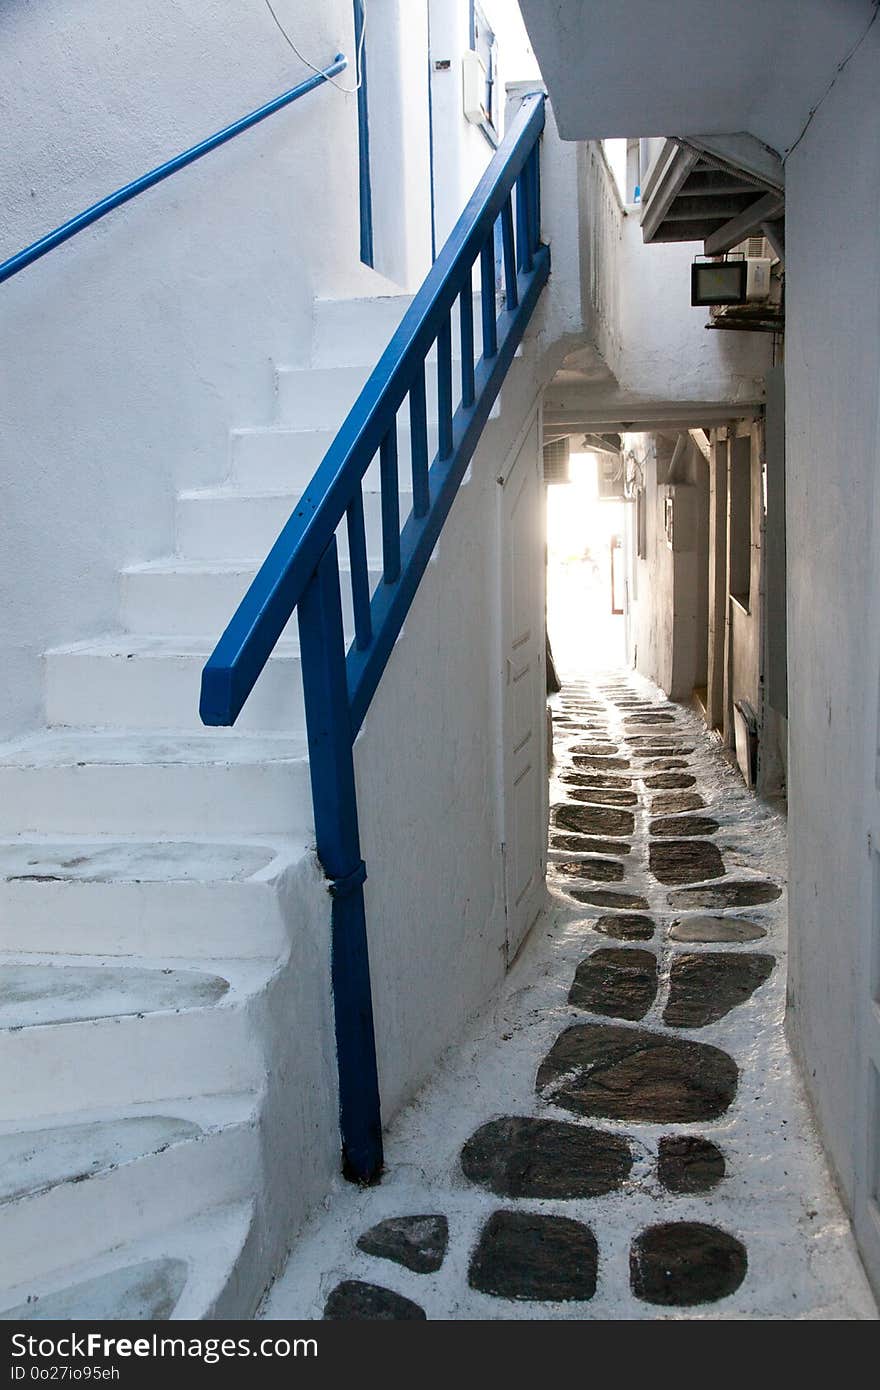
(68, 229)
(302, 571)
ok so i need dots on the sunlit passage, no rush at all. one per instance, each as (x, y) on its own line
(585, 567)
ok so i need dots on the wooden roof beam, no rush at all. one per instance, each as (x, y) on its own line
(764, 209)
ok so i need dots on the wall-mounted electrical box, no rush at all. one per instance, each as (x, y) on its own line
(679, 516)
(473, 75)
(610, 477)
(669, 519)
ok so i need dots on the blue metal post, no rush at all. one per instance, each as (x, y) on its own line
(444, 387)
(331, 764)
(466, 320)
(360, 571)
(510, 285)
(487, 299)
(418, 429)
(523, 236)
(365, 180)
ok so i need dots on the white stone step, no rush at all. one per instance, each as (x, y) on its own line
(185, 597)
(219, 782)
(194, 897)
(274, 458)
(225, 523)
(353, 332)
(321, 397)
(201, 1268)
(271, 458)
(135, 681)
(81, 1032)
(103, 1179)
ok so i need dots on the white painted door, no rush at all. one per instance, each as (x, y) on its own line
(523, 716)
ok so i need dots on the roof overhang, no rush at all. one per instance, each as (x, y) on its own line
(714, 189)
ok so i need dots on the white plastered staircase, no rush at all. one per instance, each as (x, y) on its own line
(168, 1113)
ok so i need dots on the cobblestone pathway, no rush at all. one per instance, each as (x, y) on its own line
(623, 1136)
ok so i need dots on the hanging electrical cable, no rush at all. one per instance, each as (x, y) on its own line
(309, 64)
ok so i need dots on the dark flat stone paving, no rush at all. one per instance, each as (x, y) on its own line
(704, 987)
(596, 870)
(650, 755)
(683, 825)
(685, 861)
(360, 1302)
(610, 1070)
(682, 1263)
(669, 780)
(688, 1163)
(603, 1070)
(586, 844)
(604, 796)
(617, 981)
(598, 820)
(675, 803)
(523, 1255)
(739, 893)
(626, 926)
(647, 717)
(417, 1242)
(605, 764)
(606, 897)
(621, 781)
(519, 1156)
(711, 929)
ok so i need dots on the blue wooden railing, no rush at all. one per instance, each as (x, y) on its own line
(69, 229)
(302, 570)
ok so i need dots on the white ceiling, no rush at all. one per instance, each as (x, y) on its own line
(670, 67)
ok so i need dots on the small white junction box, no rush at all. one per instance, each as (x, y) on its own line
(473, 83)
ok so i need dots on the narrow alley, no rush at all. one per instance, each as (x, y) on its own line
(623, 1135)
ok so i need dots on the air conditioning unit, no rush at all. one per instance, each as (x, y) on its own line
(757, 278)
(759, 261)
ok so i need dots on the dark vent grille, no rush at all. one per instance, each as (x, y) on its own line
(556, 457)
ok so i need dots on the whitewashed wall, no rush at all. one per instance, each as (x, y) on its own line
(461, 150)
(666, 352)
(429, 787)
(666, 637)
(128, 353)
(832, 457)
(746, 635)
(400, 137)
